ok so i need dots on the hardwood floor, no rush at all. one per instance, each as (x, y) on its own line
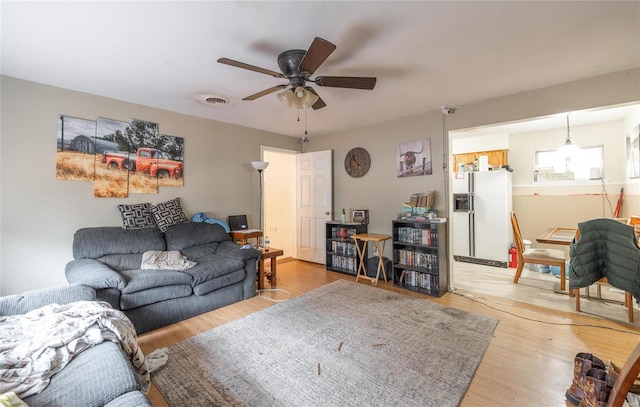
(528, 363)
(538, 289)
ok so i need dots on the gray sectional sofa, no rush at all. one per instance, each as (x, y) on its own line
(109, 259)
(99, 376)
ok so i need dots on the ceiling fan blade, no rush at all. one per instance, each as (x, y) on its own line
(352, 82)
(265, 92)
(318, 52)
(319, 103)
(242, 65)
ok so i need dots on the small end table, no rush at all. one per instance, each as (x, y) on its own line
(270, 253)
(365, 238)
(243, 235)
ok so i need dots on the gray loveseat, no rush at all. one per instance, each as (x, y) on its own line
(109, 259)
(99, 376)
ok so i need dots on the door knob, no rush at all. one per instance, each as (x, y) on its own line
(327, 213)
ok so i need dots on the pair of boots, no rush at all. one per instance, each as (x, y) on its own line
(591, 383)
(597, 386)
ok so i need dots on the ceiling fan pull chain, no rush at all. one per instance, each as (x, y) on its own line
(305, 120)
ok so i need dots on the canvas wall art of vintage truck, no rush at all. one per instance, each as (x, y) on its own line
(119, 157)
(148, 160)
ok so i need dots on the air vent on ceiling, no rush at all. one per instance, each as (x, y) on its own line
(216, 100)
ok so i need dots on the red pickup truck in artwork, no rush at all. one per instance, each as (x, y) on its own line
(147, 160)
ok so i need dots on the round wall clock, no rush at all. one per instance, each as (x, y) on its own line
(357, 162)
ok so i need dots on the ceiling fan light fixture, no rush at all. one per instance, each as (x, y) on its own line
(298, 98)
(312, 98)
(303, 97)
(297, 66)
(287, 98)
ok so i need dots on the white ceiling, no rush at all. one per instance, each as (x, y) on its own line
(552, 122)
(425, 54)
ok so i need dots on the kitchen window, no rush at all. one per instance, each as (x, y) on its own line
(584, 164)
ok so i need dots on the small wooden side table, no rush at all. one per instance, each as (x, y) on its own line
(365, 238)
(243, 235)
(272, 253)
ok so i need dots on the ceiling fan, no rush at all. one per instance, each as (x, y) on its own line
(297, 66)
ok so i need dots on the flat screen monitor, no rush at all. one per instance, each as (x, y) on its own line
(238, 222)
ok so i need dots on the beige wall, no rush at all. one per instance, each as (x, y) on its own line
(39, 214)
(380, 190)
(543, 205)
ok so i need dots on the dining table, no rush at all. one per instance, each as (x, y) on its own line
(560, 236)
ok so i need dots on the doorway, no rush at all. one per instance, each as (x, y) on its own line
(297, 201)
(280, 199)
(544, 205)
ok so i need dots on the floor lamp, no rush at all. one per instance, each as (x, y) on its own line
(260, 166)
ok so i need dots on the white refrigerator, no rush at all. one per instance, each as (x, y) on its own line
(482, 205)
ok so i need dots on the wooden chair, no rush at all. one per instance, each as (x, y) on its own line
(624, 381)
(628, 299)
(549, 257)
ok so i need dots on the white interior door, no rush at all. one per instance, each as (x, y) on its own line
(314, 200)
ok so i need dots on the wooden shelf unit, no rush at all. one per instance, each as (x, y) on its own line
(419, 256)
(342, 255)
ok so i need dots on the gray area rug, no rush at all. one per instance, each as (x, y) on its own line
(343, 344)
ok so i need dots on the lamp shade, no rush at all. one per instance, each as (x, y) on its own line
(568, 149)
(298, 98)
(259, 165)
(287, 98)
(309, 98)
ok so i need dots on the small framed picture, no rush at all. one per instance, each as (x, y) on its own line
(414, 158)
(360, 216)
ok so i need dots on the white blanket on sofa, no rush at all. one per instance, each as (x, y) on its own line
(165, 260)
(36, 345)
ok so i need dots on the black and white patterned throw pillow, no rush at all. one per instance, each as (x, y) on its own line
(168, 213)
(136, 216)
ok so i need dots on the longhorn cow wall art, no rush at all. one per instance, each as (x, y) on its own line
(414, 158)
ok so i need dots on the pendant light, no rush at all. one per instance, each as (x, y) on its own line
(568, 148)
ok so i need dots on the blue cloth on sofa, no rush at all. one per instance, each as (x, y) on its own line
(202, 217)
